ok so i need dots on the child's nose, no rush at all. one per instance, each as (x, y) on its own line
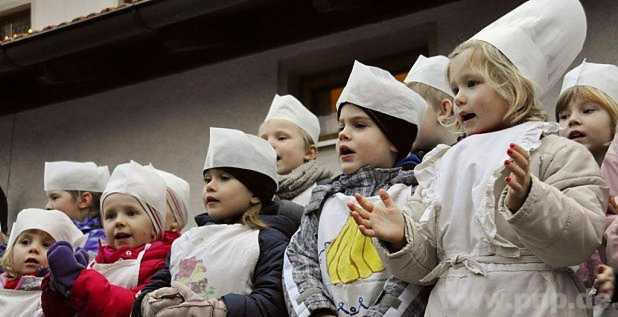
(48, 206)
(343, 134)
(573, 119)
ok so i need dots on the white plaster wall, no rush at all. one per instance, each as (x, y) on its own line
(165, 120)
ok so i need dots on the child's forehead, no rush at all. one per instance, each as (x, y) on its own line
(35, 233)
(120, 200)
(464, 63)
(275, 125)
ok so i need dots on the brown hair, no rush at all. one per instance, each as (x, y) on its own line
(589, 94)
(505, 79)
(96, 200)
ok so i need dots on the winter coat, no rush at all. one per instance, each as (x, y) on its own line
(93, 295)
(524, 271)
(266, 297)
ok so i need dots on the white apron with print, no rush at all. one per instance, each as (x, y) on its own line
(351, 267)
(19, 303)
(124, 272)
(216, 260)
(481, 273)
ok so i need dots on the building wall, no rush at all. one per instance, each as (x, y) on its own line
(45, 12)
(165, 120)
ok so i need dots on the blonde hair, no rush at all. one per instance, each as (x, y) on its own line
(589, 94)
(432, 95)
(251, 217)
(505, 79)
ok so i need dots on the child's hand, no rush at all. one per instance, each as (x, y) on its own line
(605, 282)
(383, 222)
(64, 266)
(518, 180)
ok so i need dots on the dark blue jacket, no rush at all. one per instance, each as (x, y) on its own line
(267, 296)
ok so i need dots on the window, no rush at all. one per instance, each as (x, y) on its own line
(320, 91)
(15, 22)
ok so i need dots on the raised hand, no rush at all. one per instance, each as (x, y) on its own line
(64, 266)
(518, 181)
(384, 222)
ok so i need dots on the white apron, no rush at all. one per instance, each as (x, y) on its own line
(19, 303)
(481, 273)
(124, 273)
(216, 260)
(356, 275)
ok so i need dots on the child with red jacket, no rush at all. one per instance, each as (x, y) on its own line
(133, 212)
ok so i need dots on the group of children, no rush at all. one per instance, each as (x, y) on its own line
(505, 215)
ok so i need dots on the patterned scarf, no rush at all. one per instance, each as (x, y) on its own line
(300, 179)
(366, 181)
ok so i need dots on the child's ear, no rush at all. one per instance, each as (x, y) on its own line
(85, 200)
(446, 109)
(255, 200)
(311, 153)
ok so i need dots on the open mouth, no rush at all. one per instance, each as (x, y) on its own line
(211, 200)
(31, 261)
(576, 135)
(465, 116)
(121, 235)
(344, 150)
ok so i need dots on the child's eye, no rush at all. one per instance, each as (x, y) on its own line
(589, 110)
(110, 215)
(47, 244)
(563, 116)
(340, 127)
(207, 179)
(225, 177)
(360, 125)
(24, 242)
(471, 83)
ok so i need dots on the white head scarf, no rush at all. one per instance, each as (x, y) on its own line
(540, 37)
(178, 191)
(603, 77)
(291, 109)
(84, 176)
(55, 223)
(236, 149)
(431, 71)
(145, 185)
(376, 89)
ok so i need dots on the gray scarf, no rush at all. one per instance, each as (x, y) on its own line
(301, 178)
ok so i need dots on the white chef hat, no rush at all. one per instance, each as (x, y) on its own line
(540, 37)
(291, 109)
(603, 77)
(431, 71)
(145, 185)
(56, 223)
(84, 176)
(376, 89)
(230, 148)
(178, 191)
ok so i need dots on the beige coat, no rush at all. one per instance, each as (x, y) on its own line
(560, 224)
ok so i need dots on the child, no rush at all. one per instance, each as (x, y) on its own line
(133, 211)
(75, 188)
(428, 79)
(230, 264)
(25, 261)
(506, 210)
(177, 203)
(329, 269)
(293, 131)
(587, 111)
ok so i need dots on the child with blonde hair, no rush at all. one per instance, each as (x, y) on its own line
(25, 260)
(133, 214)
(587, 111)
(231, 264)
(505, 211)
(294, 131)
(75, 188)
(428, 78)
